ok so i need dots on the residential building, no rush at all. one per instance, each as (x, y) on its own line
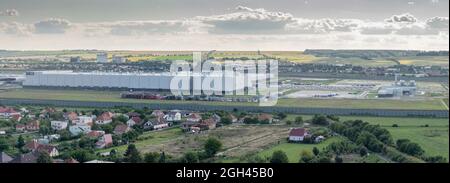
(156, 124)
(105, 141)
(134, 121)
(7, 112)
(297, 134)
(173, 116)
(121, 129)
(59, 125)
(104, 118)
(79, 129)
(33, 125)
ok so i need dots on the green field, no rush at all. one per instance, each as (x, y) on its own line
(150, 138)
(433, 139)
(114, 96)
(293, 150)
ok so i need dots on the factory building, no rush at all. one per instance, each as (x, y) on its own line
(118, 59)
(102, 57)
(398, 89)
(75, 59)
(129, 81)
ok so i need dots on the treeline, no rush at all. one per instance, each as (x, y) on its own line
(367, 54)
(379, 140)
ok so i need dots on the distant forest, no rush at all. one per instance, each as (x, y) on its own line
(367, 54)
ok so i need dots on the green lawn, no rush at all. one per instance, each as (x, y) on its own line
(293, 150)
(150, 138)
(114, 96)
(433, 139)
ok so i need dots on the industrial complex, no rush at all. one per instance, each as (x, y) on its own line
(137, 81)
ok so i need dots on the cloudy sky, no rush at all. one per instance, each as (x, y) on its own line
(224, 25)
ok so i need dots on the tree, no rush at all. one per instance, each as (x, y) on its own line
(316, 151)
(82, 155)
(225, 120)
(132, 155)
(190, 157)
(306, 156)
(20, 142)
(44, 157)
(281, 115)
(288, 122)
(279, 157)
(151, 157)
(363, 151)
(298, 120)
(320, 120)
(212, 146)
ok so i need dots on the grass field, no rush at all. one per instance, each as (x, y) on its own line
(150, 138)
(433, 139)
(293, 150)
(114, 96)
(425, 61)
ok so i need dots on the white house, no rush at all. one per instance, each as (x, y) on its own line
(297, 134)
(59, 125)
(173, 116)
(86, 120)
(79, 129)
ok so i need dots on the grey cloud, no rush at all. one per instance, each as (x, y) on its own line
(247, 20)
(403, 18)
(9, 13)
(52, 26)
(146, 27)
(438, 23)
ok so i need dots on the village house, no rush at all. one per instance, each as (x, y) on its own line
(16, 117)
(135, 120)
(172, 116)
(35, 146)
(297, 134)
(104, 141)
(79, 129)
(207, 124)
(265, 118)
(156, 124)
(121, 129)
(30, 157)
(20, 127)
(71, 116)
(84, 120)
(59, 125)
(194, 117)
(133, 114)
(158, 113)
(33, 125)
(6, 112)
(104, 118)
(95, 134)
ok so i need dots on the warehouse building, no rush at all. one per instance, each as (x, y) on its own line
(398, 89)
(128, 81)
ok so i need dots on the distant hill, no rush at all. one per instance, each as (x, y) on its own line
(367, 54)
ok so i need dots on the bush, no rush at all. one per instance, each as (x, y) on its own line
(279, 157)
(395, 125)
(319, 120)
(212, 146)
(408, 147)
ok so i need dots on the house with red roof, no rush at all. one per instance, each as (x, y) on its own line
(104, 118)
(105, 141)
(194, 117)
(297, 134)
(7, 112)
(20, 127)
(121, 129)
(16, 117)
(135, 120)
(33, 125)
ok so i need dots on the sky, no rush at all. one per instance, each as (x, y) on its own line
(224, 24)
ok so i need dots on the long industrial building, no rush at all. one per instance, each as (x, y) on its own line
(138, 81)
